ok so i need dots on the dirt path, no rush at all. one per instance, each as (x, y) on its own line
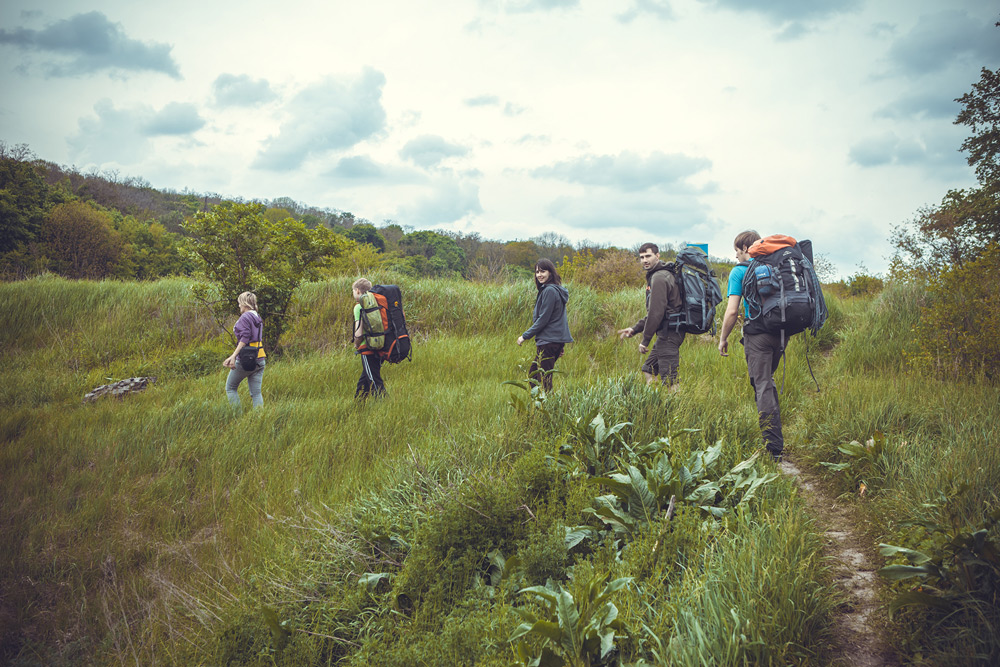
(857, 639)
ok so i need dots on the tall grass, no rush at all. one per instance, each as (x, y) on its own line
(151, 530)
(936, 440)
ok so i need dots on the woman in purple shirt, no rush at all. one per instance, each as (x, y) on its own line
(249, 331)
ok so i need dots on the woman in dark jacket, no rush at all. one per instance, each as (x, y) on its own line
(249, 332)
(549, 327)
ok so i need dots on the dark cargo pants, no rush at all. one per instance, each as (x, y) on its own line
(763, 352)
(665, 355)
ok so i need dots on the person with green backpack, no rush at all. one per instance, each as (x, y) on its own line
(370, 323)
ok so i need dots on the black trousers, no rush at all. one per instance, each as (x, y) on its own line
(370, 381)
(763, 352)
(544, 362)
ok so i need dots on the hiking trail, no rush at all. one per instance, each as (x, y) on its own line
(856, 631)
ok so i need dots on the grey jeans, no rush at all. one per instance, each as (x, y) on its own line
(253, 379)
(763, 352)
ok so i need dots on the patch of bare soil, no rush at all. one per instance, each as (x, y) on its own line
(857, 637)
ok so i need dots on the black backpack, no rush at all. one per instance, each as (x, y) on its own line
(783, 293)
(397, 339)
(700, 292)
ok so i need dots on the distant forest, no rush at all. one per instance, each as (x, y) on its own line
(101, 224)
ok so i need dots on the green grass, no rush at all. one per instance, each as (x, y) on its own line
(151, 530)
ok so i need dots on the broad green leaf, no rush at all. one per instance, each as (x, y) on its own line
(898, 572)
(743, 465)
(917, 598)
(575, 536)
(371, 580)
(914, 557)
(569, 619)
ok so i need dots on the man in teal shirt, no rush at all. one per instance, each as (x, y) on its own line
(763, 350)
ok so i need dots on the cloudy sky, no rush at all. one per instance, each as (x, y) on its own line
(613, 121)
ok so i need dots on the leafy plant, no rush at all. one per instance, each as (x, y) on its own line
(576, 632)
(641, 493)
(593, 443)
(862, 459)
(960, 563)
(531, 401)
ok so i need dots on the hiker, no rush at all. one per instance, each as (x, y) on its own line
(243, 363)
(763, 350)
(370, 382)
(549, 326)
(663, 298)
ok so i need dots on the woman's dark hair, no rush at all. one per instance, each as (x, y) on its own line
(547, 265)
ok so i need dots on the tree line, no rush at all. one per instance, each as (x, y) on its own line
(100, 225)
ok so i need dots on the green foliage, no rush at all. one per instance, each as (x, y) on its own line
(529, 400)
(241, 250)
(23, 197)
(397, 541)
(650, 485)
(981, 113)
(607, 271)
(958, 565)
(577, 632)
(593, 444)
(865, 463)
(81, 241)
(863, 284)
(366, 233)
(432, 254)
(959, 332)
(150, 251)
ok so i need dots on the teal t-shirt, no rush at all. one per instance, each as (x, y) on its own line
(736, 286)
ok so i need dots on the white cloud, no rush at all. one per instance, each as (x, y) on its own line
(627, 171)
(122, 136)
(448, 202)
(87, 43)
(429, 150)
(326, 116)
(241, 91)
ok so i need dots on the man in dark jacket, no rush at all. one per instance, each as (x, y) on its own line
(663, 297)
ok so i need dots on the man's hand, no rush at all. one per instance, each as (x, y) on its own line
(625, 333)
(520, 340)
(643, 349)
(724, 347)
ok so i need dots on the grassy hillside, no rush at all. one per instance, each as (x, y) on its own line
(169, 528)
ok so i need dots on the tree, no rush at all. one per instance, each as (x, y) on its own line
(966, 222)
(981, 113)
(81, 240)
(442, 253)
(366, 233)
(23, 197)
(241, 250)
(150, 251)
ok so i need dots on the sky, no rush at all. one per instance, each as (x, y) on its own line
(611, 122)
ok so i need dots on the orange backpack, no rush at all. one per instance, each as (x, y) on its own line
(770, 244)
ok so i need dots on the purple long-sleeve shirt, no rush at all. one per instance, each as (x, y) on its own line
(249, 328)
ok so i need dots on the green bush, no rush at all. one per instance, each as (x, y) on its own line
(959, 332)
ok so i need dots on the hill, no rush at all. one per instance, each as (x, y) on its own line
(167, 528)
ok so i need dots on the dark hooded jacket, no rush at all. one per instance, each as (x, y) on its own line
(662, 296)
(549, 323)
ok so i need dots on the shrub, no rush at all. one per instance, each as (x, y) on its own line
(609, 271)
(862, 284)
(958, 333)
